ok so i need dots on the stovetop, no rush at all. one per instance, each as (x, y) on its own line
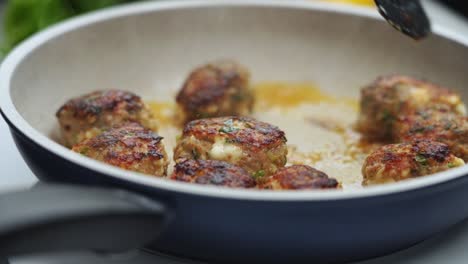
(448, 247)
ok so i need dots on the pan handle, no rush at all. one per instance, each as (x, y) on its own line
(52, 218)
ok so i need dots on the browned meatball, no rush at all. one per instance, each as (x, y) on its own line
(212, 172)
(257, 147)
(396, 162)
(88, 115)
(389, 97)
(299, 177)
(129, 146)
(438, 125)
(220, 88)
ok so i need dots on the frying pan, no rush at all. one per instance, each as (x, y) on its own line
(148, 48)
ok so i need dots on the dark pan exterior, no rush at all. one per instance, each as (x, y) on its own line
(243, 231)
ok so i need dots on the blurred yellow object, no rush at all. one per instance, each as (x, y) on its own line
(356, 2)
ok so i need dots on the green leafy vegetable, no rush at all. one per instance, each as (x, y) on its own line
(82, 6)
(19, 22)
(23, 18)
(53, 11)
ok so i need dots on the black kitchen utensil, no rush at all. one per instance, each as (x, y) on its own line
(74, 218)
(407, 16)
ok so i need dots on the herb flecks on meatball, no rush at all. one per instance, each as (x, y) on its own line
(438, 125)
(129, 146)
(220, 88)
(396, 162)
(257, 147)
(389, 97)
(88, 115)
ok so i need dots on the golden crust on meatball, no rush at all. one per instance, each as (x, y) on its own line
(258, 147)
(388, 97)
(438, 125)
(396, 162)
(299, 177)
(216, 89)
(129, 146)
(88, 115)
(212, 172)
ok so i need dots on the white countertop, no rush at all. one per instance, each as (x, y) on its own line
(448, 248)
(14, 172)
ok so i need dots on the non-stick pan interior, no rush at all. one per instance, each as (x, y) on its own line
(150, 53)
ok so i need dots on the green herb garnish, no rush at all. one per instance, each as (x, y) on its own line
(421, 159)
(425, 115)
(237, 97)
(202, 115)
(84, 151)
(387, 116)
(228, 127)
(418, 129)
(421, 129)
(447, 126)
(451, 165)
(230, 141)
(195, 154)
(258, 174)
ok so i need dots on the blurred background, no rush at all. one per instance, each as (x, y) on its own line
(23, 18)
